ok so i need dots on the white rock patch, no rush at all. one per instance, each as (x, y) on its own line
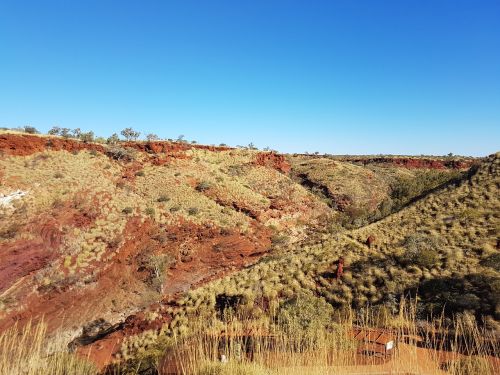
(7, 199)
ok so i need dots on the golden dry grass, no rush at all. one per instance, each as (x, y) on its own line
(373, 275)
(29, 351)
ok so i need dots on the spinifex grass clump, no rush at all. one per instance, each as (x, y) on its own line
(28, 351)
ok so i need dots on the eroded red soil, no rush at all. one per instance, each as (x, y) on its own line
(202, 254)
(23, 145)
(117, 286)
(21, 257)
(273, 160)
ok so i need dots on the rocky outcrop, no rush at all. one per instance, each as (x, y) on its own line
(272, 160)
(23, 145)
(93, 331)
(165, 147)
(417, 163)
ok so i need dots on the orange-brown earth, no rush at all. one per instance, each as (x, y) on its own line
(118, 287)
(415, 162)
(23, 144)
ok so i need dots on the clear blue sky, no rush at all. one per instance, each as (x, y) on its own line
(359, 77)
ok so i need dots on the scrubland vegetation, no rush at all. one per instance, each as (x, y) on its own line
(29, 351)
(448, 267)
(420, 250)
(311, 341)
(366, 193)
(305, 335)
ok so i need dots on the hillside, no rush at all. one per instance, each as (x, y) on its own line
(121, 247)
(102, 231)
(365, 189)
(446, 245)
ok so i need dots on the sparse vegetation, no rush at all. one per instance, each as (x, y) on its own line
(152, 137)
(421, 250)
(121, 153)
(26, 351)
(277, 242)
(193, 211)
(130, 134)
(203, 186)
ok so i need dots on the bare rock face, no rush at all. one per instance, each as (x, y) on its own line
(93, 331)
(418, 163)
(22, 145)
(273, 160)
(370, 240)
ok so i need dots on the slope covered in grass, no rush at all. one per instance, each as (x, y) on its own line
(368, 189)
(445, 245)
(100, 231)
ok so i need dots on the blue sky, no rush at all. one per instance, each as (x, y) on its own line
(358, 77)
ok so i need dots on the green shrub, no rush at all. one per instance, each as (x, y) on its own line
(113, 140)
(305, 313)
(193, 211)
(140, 173)
(492, 261)
(152, 137)
(145, 361)
(55, 130)
(121, 153)
(30, 130)
(150, 211)
(420, 250)
(87, 137)
(279, 239)
(163, 198)
(203, 186)
(127, 210)
(10, 231)
(130, 134)
(474, 293)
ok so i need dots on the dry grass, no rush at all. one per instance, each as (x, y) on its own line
(366, 193)
(364, 188)
(379, 275)
(272, 345)
(28, 351)
(459, 225)
(267, 346)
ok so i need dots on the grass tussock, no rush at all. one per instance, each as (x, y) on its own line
(452, 273)
(28, 351)
(325, 345)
